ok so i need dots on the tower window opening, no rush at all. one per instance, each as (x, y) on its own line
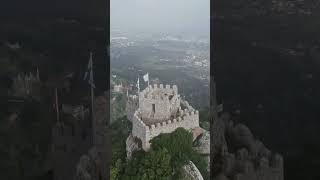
(153, 108)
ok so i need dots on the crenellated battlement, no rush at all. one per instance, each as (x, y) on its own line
(25, 83)
(188, 120)
(160, 111)
(151, 91)
(187, 116)
(158, 102)
(132, 97)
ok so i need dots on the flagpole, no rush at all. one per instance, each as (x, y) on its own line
(148, 79)
(57, 106)
(138, 85)
(92, 112)
(92, 98)
(38, 75)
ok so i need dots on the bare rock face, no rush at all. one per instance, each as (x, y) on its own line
(244, 158)
(191, 172)
(218, 135)
(131, 146)
(197, 132)
(84, 169)
(202, 145)
(88, 166)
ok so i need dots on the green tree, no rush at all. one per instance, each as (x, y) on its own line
(180, 146)
(119, 134)
(154, 165)
(168, 154)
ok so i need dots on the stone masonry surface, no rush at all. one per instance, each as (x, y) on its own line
(161, 110)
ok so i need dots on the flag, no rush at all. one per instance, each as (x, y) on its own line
(146, 77)
(90, 73)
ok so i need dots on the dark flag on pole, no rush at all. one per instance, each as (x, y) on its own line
(89, 73)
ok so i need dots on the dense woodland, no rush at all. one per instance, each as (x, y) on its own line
(170, 152)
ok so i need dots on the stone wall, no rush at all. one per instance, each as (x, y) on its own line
(140, 130)
(131, 106)
(166, 116)
(188, 120)
(164, 105)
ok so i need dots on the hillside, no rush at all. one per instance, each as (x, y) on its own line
(266, 66)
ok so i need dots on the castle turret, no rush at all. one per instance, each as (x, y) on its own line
(159, 111)
(25, 84)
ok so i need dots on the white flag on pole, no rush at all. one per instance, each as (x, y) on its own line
(146, 77)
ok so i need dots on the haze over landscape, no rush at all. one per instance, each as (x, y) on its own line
(161, 16)
(164, 43)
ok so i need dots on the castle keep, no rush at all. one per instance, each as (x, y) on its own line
(160, 110)
(26, 84)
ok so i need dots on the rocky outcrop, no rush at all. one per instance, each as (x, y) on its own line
(218, 135)
(241, 156)
(191, 172)
(131, 146)
(84, 169)
(197, 132)
(88, 166)
(202, 145)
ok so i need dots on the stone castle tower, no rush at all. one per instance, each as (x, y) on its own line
(25, 84)
(160, 110)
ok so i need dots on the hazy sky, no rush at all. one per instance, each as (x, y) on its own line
(172, 16)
